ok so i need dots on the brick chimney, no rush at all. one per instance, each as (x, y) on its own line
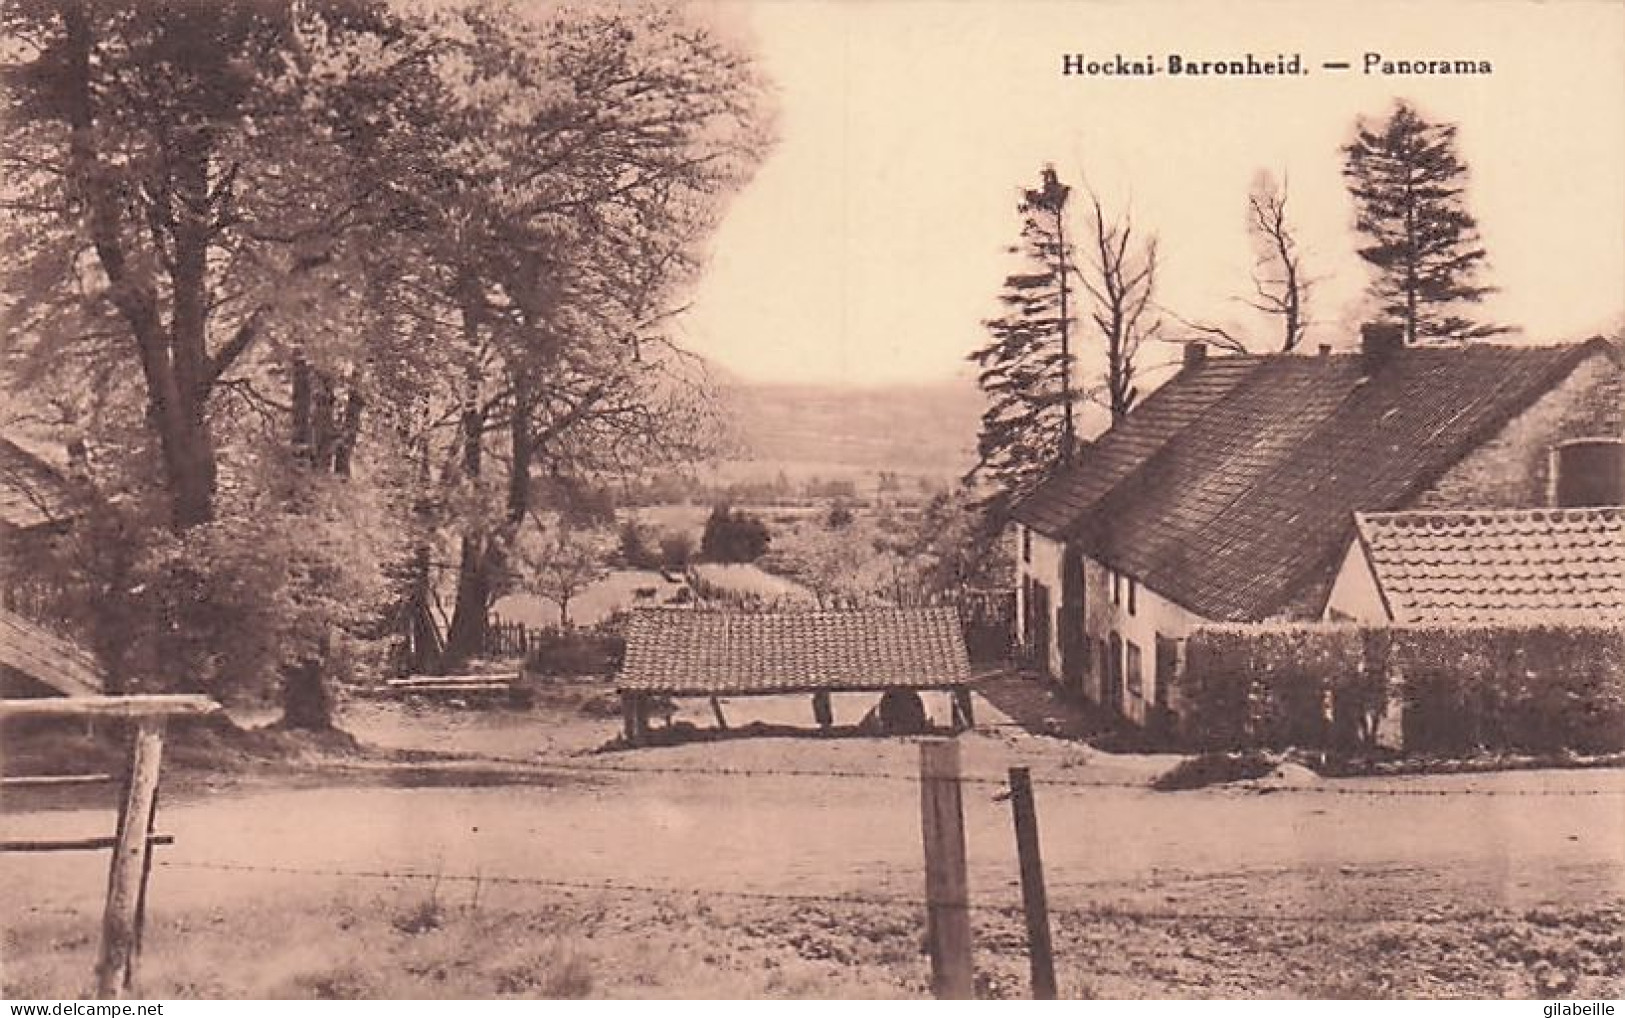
(1379, 342)
(1195, 353)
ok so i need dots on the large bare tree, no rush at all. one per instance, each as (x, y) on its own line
(1120, 276)
(1281, 285)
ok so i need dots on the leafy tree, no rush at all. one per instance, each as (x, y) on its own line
(563, 560)
(676, 549)
(192, 195)
(1026, 367)
(1409, 188)
(598, 150)
(733, 535)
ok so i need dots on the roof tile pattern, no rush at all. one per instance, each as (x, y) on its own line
(1245, 503)
(1501, 565)
(689, 652)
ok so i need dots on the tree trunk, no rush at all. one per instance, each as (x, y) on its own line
(466, 636)
(174, 363)
(482, 559)
(307, 702)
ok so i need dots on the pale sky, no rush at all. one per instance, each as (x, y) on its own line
(870, 246)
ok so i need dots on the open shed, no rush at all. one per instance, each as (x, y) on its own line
(676, 652)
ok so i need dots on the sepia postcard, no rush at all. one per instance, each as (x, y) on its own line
(785, 499)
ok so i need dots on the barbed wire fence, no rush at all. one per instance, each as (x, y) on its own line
(997, 905)
(604, 765)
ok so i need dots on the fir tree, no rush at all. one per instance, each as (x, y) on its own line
(1408, 185)
(1026, 368)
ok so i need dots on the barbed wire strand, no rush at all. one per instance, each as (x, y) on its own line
(542, 763)
(1090, 912)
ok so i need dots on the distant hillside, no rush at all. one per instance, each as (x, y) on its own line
(925, 429)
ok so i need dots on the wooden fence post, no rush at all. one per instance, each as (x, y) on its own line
(1034, 901)
(124, 877)
(947, 890)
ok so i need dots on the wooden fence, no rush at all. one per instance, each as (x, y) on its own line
(133, 839)
(510, 639)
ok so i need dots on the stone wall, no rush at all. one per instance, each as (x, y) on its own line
(1513, 470)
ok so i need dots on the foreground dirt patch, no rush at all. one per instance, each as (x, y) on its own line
(460, 941)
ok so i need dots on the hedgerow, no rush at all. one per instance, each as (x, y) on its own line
(1526, 688)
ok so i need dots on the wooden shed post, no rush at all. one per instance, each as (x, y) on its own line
(632, 718)
(124, 878)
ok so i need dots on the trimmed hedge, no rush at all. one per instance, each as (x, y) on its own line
(1532, 688)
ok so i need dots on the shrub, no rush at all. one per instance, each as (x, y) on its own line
(732, 535)
(595, 651)
(1526, 688)
(1213, 769)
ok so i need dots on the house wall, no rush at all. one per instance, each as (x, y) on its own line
(1153, 615)
(1513, 470)
(1038, 558)
(1355, 596)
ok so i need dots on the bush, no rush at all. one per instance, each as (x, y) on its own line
(1214, 769)
(1528, 688)
(596, 651)
(732, 535)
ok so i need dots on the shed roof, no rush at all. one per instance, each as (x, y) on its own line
(1231, 489)
(692, 652)
(47, 658)
(1498, 565)
(32, 491)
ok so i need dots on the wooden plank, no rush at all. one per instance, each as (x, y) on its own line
(450, 680)
(145, 705)
(74, 844)
(1034, 900)
(458, 689)
(114, 964)
(53, 780)
(947, 887)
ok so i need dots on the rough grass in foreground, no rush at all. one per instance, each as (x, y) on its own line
(428, 942)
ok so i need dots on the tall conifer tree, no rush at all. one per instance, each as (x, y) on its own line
(1409, 185)
(1026, 368)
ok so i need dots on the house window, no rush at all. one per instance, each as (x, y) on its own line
(1027, 545)
(1117, 587)
(1131, 599)
(1132, 672)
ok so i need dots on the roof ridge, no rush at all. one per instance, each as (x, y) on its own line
(1380, 515)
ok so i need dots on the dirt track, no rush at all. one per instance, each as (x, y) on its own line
(1331, 856)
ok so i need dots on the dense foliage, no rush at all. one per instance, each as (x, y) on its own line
(327, 287)
(1525, 688)
(733, 535)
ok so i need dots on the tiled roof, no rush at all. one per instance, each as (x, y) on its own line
(1231, 490)
(31, 490)
(47, 658)
(688, 652)
(1498, 565)
(1118, 452)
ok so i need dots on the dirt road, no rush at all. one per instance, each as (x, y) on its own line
(839, 818)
